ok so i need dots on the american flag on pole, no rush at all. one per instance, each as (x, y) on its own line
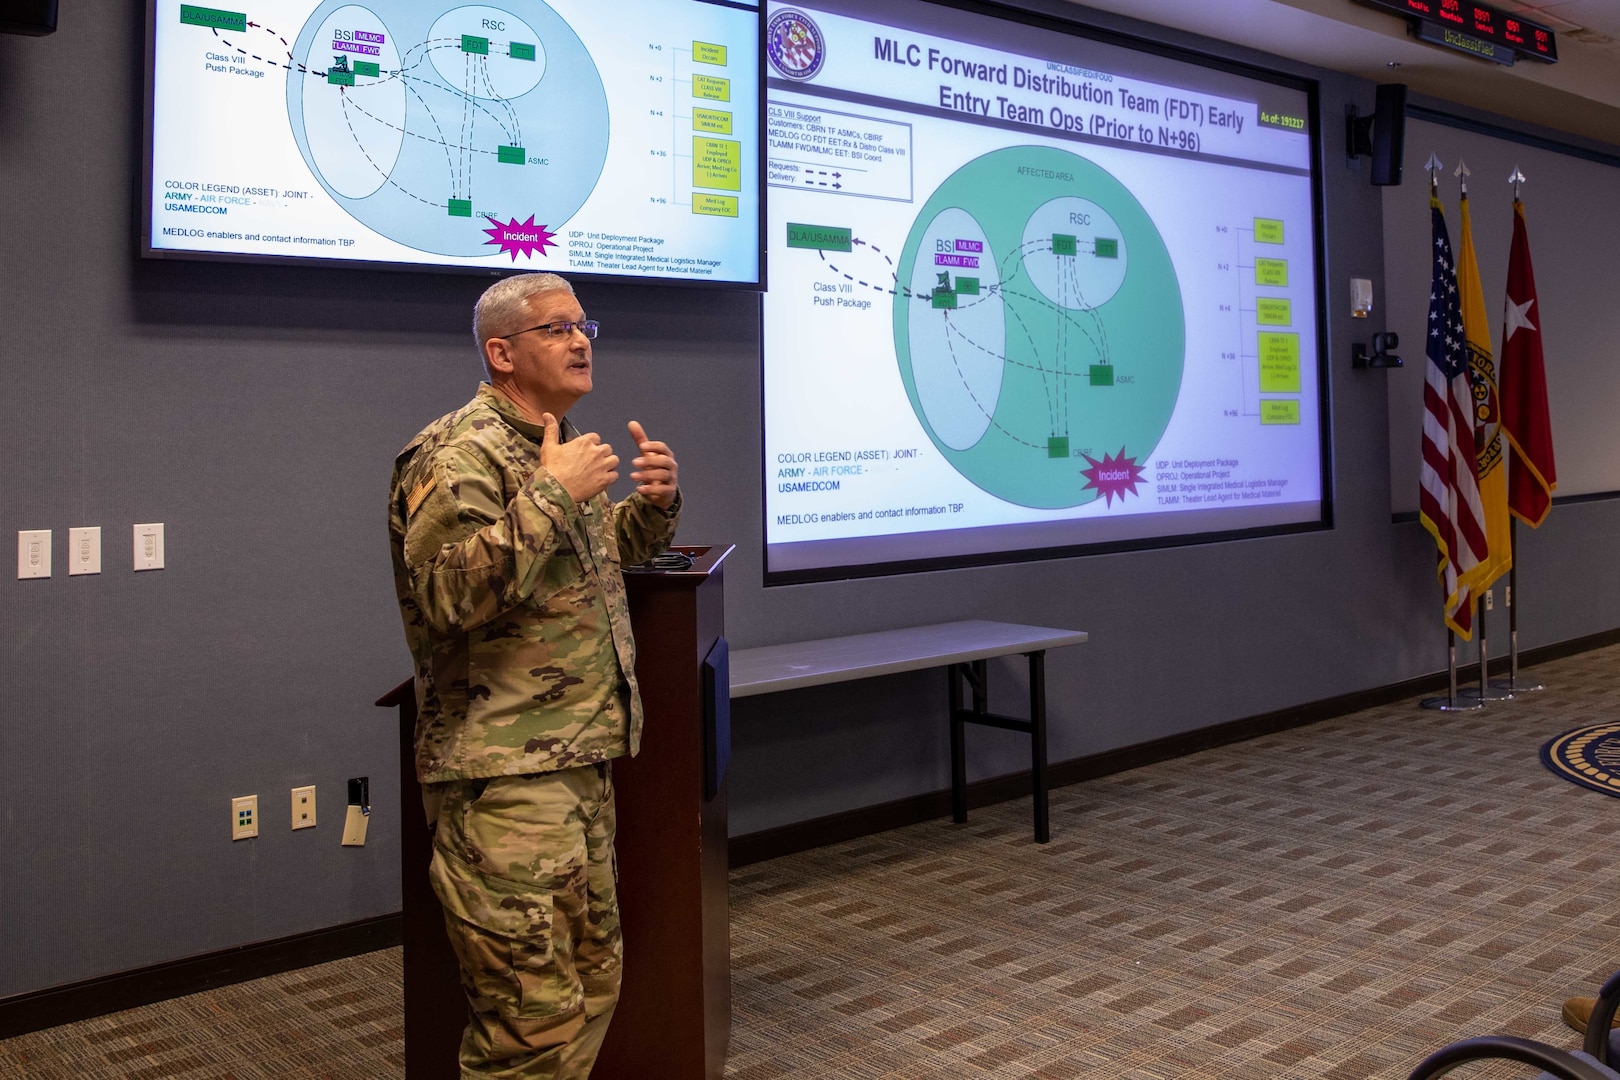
(1449, 503)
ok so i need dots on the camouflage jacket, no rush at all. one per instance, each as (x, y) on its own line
(513, 603)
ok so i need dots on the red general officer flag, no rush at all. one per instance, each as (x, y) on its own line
(1532, 474)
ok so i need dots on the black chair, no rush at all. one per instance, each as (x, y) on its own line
(1595, 1061)
(1557, 1064)
(1602, 1042)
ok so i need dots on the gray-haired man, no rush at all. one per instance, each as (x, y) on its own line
(506, 562)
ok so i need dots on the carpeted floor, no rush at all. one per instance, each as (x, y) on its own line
(337, 1021)
(1335, 902)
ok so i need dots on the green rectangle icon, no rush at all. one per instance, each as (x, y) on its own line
(472, 44)
(944, 299)
(715, 205)
(1271, 271)
(1273, 311)
(1274, 411)
(1279, 363)
(461, 208)
(819, 237)
(1057, 446)
(509, 155)
(712, 121)
(710, 88)
(366, 67)
(1281, 120)
(195, 15)
(1268, 231)
(967, 286)
(704, 53)
(1102, 375)
(1062, 244)
(520, 50)
(716, 163)
(340, 78)
(1107, 247)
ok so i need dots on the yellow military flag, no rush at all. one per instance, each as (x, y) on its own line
(1490, 448)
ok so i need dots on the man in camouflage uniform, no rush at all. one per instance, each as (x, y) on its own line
(506, 562)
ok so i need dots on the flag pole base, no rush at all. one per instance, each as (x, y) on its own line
(1498, 690)
(1448, 704)
(1513, 682)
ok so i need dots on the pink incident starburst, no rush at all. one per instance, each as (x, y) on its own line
(525, 237)
(1113, 475)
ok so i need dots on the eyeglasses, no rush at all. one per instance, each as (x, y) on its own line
(562, 329)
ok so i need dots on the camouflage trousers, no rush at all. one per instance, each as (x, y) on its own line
(524, 868)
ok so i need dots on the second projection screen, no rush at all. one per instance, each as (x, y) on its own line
(1028, 291)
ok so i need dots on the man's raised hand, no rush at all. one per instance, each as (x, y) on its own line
(655, 469)
(584, 465)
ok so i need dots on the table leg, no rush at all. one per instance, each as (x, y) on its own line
(958, 747)
(1037, 740)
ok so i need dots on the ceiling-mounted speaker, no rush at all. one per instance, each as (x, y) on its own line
(33, 17)
(1381, 136)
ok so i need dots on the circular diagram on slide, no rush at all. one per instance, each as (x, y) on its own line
(430, 122)
(1038, 326)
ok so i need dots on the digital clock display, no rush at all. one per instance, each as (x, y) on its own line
(1502, 28)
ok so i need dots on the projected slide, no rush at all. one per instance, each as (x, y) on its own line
(996, 264)
(1028, 292)
(521, 134)
(473, 116)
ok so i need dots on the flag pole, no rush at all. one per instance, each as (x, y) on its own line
(1513, 612)
(1487, 690)
(1517, 179)
(1512, 683)
(1451, 702)
(1483, 692)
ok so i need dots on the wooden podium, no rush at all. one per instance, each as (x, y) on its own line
(674, 1015)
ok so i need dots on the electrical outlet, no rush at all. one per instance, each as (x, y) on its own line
(1490, 599)
(358, 814)
(244, 817)
(149, 546)
(84, 550)
(34, 553)
(303, 807)
(355, 821)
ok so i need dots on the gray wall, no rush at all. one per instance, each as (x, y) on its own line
(255, 411)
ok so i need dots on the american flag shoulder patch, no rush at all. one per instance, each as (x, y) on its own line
(413, 501)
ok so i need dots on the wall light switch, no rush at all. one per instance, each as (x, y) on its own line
(84, 550)
(303, 807)
(34, 553)
(149, 546)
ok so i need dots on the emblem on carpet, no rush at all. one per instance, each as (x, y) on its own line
(1588, 756)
